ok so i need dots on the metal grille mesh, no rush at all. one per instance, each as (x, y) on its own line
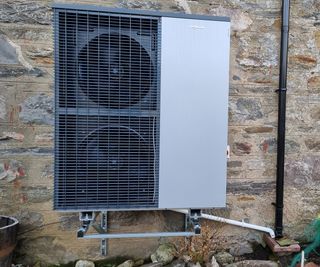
(107, 110)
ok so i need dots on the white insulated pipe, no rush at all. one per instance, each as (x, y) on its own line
(233, 222)
(302, 258)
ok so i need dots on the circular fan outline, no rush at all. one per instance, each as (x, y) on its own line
(95, 34)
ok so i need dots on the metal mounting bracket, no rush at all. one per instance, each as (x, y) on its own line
(104, 226)
(89, 219)
(86, 218)
(195, 215)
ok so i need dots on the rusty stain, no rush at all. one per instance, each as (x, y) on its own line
(6, 166)
(305, 59)
(23, 198)
(44, 60)
(17, 184)
(11, 114)
(244, 148)
(7, 250)
(21, 172)
(277, 23)
(263, 81)
(245, 198)
(265, 147)
(314, 82)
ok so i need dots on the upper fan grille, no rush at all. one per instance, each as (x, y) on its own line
(118, 67)
(108, 60)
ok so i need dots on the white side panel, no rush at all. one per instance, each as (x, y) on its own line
(194, 113)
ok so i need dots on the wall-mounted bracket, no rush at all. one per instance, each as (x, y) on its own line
(195, 216)
(104, 226)
(89, 219)
(86, 218)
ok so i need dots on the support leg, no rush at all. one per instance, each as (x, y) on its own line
(104, 226)
(195, 216)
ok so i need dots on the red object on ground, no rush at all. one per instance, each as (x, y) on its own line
(276, 248)
(310, 264)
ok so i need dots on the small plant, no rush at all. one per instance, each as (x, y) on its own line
(199, 247)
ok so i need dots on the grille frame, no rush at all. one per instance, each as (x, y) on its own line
(97, 111)
(84, 8)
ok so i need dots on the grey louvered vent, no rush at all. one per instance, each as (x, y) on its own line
(107, 110)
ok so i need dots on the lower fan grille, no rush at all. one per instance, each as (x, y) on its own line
(112, 166)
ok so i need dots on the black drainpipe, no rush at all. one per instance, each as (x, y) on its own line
(282, 117)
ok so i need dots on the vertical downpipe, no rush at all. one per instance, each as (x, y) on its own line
(282, 117)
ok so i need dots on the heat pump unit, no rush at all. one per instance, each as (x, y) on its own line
(141, 105)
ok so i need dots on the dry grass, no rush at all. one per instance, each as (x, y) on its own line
(200, 247)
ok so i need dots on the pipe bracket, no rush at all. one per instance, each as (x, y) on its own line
(281, 90)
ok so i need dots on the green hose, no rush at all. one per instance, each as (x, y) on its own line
(312, 233)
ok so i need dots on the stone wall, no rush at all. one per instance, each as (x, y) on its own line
(26, 121)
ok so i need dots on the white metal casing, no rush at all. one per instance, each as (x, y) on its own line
(193, 113)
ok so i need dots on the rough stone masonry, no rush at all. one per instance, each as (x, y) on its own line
(26, 131)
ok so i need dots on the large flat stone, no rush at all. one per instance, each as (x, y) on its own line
(32, 12)
(245, 109)
(8, 53)
(37, 109)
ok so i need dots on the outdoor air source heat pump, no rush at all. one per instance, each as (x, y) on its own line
(141, 109)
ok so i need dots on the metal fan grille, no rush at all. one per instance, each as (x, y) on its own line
(107, 110)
